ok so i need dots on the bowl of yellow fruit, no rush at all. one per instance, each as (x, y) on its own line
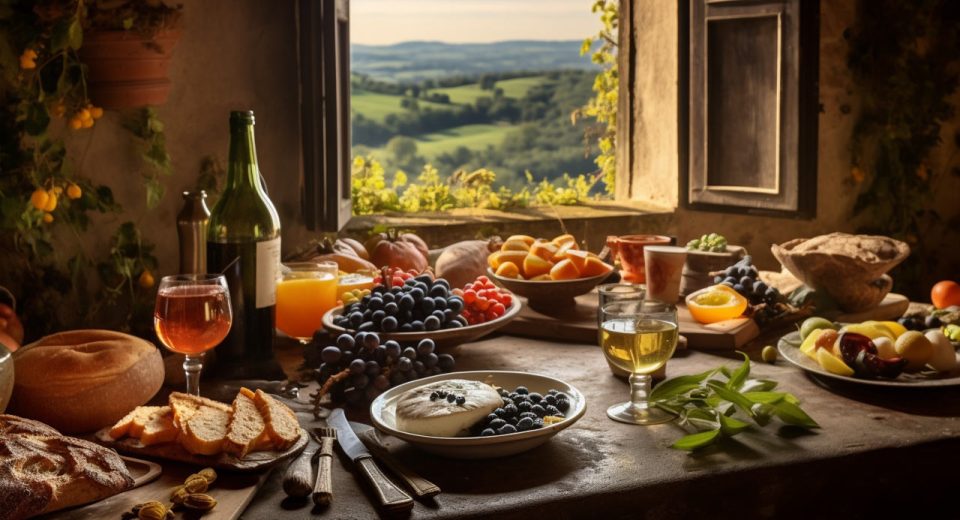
(548, 271)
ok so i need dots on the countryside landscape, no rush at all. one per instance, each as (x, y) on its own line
(504, 106)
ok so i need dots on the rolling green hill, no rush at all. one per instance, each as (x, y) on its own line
(378, 106)
(475, 137)
(512, 88)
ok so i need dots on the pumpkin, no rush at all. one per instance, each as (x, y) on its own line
(356, 246)
(346, 258)
(404, 250)
(461, 263)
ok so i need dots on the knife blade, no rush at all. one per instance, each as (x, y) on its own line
(391, 497)
(420, 486)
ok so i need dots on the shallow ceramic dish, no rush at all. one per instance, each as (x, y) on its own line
(443, 338)
(789, 347)
(553, 292)
(383, 408)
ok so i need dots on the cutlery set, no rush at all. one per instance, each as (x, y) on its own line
(298, 480)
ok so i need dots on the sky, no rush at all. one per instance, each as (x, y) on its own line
(383, 22)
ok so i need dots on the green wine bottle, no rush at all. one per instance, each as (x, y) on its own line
(243, 242)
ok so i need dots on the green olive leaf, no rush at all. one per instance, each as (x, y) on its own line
(733, 396)
(740, 374)
(732, 426)
(696, 441)
(765, 397)
(679, 385)
(791, 414)
(758, 385)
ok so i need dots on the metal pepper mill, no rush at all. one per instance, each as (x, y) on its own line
(192, 229)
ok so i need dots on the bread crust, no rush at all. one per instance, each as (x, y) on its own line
(80, 381)
(44, 472)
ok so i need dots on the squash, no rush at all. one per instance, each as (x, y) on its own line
(404, 250)
(461, 263)
(356, 246)
(324, 250)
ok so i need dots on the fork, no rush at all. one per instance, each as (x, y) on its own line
(323, 487)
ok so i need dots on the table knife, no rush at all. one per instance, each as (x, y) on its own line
(391, 497)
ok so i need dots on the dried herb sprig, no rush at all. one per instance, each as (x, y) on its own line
(712, 401)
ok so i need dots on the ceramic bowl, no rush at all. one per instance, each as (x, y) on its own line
(383, 409)
(444, 338)
(553, 292)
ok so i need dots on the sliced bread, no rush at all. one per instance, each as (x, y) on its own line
(159, 428)
(204, 432)
(185, 405)
(280, 421)
(246, 426)
(133, 423)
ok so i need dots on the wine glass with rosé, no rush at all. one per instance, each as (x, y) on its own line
(192, 316)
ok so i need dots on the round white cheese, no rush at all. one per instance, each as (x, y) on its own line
(418, 414)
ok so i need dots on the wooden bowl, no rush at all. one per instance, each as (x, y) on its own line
(443, 338)
(555, 293)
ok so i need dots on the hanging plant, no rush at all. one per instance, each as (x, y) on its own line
(46, 207)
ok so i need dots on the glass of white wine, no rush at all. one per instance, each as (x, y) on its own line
(638, 337)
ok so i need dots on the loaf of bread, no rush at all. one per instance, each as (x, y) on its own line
(42, 471)
(254, 422)
(80, 381)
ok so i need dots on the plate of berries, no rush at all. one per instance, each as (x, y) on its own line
(423, 307)
(478, 414)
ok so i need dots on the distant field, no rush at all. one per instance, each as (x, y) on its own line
(378, 106)
(475, 137)
(512, 88)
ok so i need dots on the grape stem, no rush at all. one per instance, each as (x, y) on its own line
(325, 389)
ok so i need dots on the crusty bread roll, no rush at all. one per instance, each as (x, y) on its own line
(83, 380)
(43, 471)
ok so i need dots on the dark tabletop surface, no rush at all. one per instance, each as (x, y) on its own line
(880, 452)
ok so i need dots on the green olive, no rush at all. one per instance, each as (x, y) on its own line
(769, 354)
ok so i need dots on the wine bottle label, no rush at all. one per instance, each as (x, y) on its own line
(268, 264)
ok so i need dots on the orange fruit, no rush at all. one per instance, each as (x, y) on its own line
(564, 239)
(527, 239)
(47, 218)
(561, 253)
(545, 250)
(51, 202)
(508, 270)
(534, 265)
(513, 244)
(75, 123)
(499, 257)
(564, 270)
(74, 192)
(579, 258)
(39, 198)
(945, 293)
(541, 278)
(146, 279)
(594, 267)
(715, 303)
(96, 112)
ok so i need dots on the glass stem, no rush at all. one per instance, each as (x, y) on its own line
(191, 369)
(639, 391)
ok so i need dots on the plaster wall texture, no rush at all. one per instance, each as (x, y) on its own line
(656, 90)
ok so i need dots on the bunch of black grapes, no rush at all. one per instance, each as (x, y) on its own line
(421, 304)
(743, 278)
(359, 367)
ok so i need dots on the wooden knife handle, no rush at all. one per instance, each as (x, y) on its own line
(391, 497)
(323, 487)
(414, 482)
(297, 479)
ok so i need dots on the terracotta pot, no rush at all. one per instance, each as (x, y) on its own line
(629, 250)
(125, 69)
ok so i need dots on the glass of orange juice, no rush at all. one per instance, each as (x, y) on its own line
(305, 293)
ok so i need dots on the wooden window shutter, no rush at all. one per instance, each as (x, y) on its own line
(752, 106)
(324, 57)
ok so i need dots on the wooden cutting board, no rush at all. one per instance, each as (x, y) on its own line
(579, 323)
(233, 491)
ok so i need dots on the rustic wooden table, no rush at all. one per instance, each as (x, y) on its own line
(880, 452)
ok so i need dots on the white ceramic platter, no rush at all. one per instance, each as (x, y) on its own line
(382, 412)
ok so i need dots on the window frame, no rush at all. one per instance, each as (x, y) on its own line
(323, 47)
(808, 116)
